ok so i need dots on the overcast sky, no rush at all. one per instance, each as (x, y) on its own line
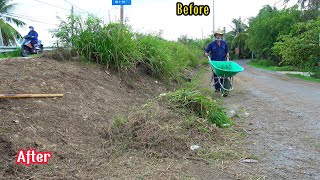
(143, 15)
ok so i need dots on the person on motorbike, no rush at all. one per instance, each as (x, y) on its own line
(219, 51)
(33, 36)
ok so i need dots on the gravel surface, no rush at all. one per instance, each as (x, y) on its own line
(284, 122)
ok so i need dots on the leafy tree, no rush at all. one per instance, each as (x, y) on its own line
(301, 46)
(307, 4)
(9, 33)
(267, 26)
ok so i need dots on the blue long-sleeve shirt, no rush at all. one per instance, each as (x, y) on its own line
(35, 34)
(218, 53)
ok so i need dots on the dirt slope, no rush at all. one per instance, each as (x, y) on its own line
(68, 126)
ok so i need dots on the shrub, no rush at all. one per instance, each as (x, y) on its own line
(267, 26)
(301, 47)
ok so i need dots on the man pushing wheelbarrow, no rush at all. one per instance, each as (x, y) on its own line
(222, 69)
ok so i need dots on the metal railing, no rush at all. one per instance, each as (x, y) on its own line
(4, 49)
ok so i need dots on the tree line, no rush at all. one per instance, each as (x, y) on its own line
(288, 36)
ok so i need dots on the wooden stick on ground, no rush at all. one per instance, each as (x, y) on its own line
(11, 96)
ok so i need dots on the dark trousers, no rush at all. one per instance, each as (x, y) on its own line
(216, 81)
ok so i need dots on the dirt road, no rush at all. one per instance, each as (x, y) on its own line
(284, 123)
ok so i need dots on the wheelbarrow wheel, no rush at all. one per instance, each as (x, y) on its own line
(226, 85)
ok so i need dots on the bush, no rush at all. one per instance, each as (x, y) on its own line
(267, 26)
(316, 72)
(301, 46)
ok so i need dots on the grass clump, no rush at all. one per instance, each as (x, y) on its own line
(201, 105)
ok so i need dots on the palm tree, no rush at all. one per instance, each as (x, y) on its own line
(238, 26)
(240, 42)
(9, 33)
(238, 31)
(309, 4)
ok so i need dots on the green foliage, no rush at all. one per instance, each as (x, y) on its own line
(117, 46)
(301, 47)
(9, 33)
(263, 62)
(267, 26)
(240, 42)
(316, 73)
(119, 121)
(229, 38)
(110, 44)
(15, 53)
(307, 4)
(237, 38)
(238, 26)
(201, 105)
(310, 79)
(166, 58)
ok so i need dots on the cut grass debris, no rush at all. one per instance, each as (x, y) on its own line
(202, 106)
(169, 125)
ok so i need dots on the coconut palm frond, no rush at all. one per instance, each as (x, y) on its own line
(9, 34)
(15, 21)
(6, 8)
(310, 4)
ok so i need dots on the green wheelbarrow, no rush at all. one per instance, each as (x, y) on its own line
(225, 70)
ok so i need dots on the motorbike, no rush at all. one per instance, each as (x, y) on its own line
(27, 48)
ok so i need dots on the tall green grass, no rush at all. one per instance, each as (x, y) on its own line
(117, 46)
(167, 58)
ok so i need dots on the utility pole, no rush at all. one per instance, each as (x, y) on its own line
(121, 14)
(224, 33)
(213, 17)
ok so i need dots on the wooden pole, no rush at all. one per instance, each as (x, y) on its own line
(11, 96)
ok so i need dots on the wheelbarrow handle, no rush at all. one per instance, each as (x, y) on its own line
(228, 59)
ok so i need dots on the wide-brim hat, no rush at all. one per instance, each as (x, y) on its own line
(218, 31)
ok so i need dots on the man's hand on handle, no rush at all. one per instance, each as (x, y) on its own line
(207, 54)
